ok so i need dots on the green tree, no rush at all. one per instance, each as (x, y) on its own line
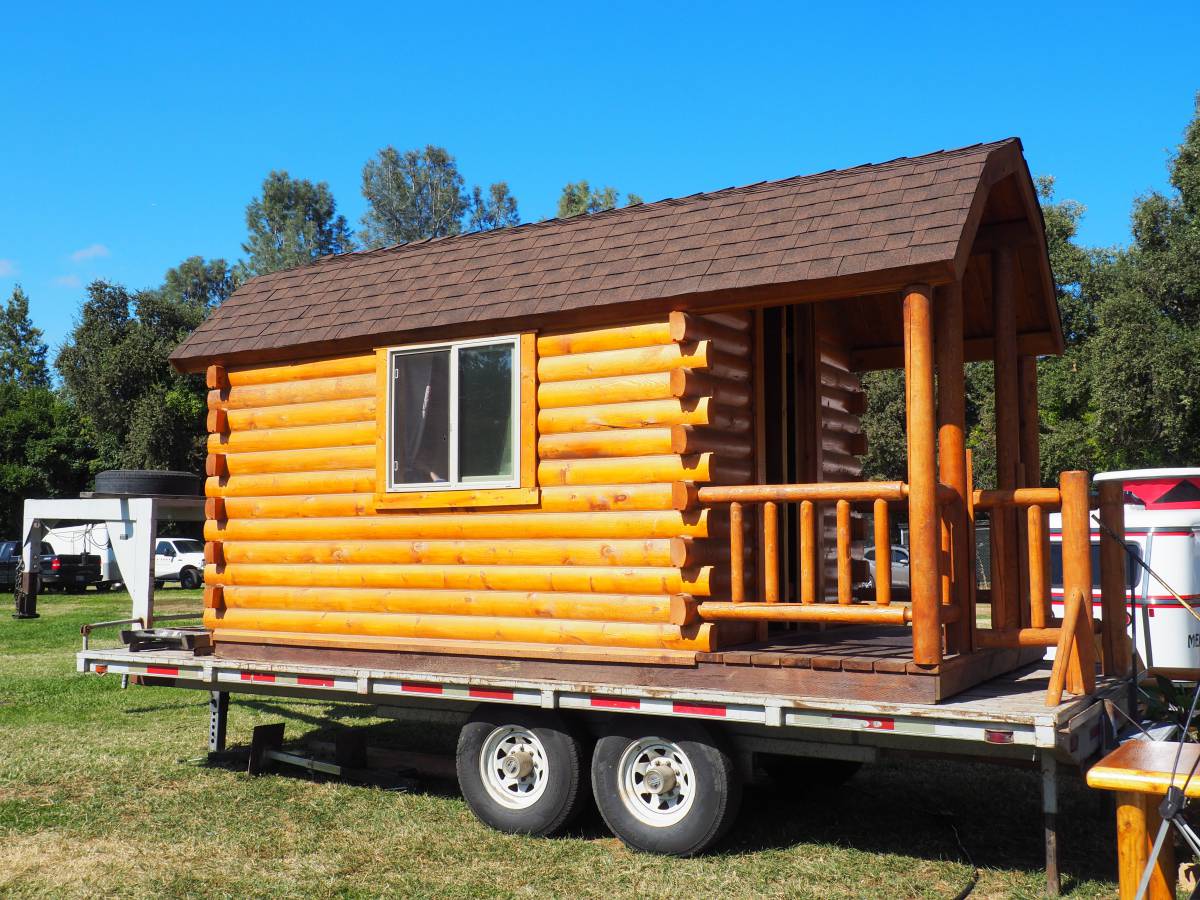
(115, 371)
(294, 222)
(411, 196)
(45, 449)
(22, 350)
(495, 209)
(579, 198)
(205, 283)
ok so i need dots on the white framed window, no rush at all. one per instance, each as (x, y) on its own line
(454, 415)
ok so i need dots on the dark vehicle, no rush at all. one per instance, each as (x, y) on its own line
(58, 570)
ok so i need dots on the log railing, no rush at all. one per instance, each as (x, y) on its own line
(1023, 596)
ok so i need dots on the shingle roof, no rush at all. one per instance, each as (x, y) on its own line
(893, 215)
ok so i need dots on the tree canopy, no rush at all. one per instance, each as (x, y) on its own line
(22, 350)
(411, 196)
(495, 209)
(579, 198)
(294, 222)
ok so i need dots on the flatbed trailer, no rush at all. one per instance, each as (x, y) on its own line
(1004, 720)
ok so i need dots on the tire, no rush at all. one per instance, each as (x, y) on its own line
(148, 482)
(189, 579)
(795, 775)
(103, 587)
(699, 792)
(537, 738)
(158, 585)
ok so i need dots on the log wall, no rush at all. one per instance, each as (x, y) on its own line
(629, 421)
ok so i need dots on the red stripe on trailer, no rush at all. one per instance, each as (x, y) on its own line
(162, 670)
(100, 670)
(420, 687)
(314, 682)
(258, 676)
(697, 709)
(490, 694)
(616, 703)
(873, 723)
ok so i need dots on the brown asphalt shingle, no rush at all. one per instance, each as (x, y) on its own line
(838, 223)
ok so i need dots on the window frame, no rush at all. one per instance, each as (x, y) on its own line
(519, 490)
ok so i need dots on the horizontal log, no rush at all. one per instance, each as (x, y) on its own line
(709, 611)
(470, 525)
(483, 628)
(644, 414)
(526, 552)
(837, 420)
(345, 481)
(313, 391)
(840, 379)
(688, 439)
(823, 492)
(308, 437)
(546, 605)
(623, 337)
(642, 360)
(699, 467)
(325, 412)
(362, 364)
(614, 389)
(1049, 498)
(1024, 637)
(594, 579)
(697, 383)
(617, 497)
(327, 459)
(687, 327)
(599, 444)
(851, 401)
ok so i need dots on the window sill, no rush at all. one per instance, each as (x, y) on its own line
(520, 496)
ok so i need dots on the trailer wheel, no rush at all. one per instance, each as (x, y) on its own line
(189, 578)
(666, 787)
(520, 770)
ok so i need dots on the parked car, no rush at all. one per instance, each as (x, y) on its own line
(179, 559)
(91, 538)
(58, 570)
(899, 564)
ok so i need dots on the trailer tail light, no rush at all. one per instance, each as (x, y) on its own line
(55, 564)
(997, 737)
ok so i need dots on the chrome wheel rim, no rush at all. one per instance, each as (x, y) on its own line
(656, 781)
(513, 766)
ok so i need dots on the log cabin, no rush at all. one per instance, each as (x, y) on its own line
(633, 439)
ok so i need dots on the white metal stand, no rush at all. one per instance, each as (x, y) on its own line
(132, 529)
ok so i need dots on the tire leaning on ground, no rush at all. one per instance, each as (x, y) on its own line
(521, 771)
(189, 578)
(665, 787)
(147, 482)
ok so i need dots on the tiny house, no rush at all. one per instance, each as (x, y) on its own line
(603, 476)
(634, 438)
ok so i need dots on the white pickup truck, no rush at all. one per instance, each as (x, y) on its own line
(179, 559)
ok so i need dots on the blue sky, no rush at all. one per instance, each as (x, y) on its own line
(134, 134)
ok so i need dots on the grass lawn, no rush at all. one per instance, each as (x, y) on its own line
(107, 792)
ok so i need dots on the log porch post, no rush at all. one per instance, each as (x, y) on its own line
(1006, 605)
(923, 519)
(952, 461)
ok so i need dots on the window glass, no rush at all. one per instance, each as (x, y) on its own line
(485, 412)
(421, 417)
(164, 549)
(189, 546)
(1132, 569)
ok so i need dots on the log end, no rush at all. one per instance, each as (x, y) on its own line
(214, 596)
(216, 378)
(218, 421)
(214, 553)
(683, 610)
(216, 466)
(214, 508)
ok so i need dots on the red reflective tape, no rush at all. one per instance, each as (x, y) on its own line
(489, 694)
(695, 709)
(873, 723)
(162, 670)
(420, 687)
(258, 676)
(100, 670)
(616, 703)
(315, 682)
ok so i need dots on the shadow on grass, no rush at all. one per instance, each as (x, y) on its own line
(936, 810)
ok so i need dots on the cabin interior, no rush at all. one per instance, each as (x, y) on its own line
(676, 491)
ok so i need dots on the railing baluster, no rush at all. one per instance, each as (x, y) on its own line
(771, 551)
(808, 552)
(1039, 547)
(737, 551)
(845, 585)
(883, 555)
